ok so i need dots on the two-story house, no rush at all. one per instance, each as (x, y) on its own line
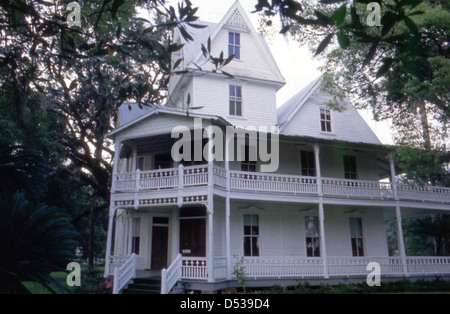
(320, 216)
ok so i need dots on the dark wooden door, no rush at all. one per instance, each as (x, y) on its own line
(160, 242)
(193, 237)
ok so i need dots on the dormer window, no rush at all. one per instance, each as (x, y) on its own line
(325, 120)
(235, 100)
(234, 45)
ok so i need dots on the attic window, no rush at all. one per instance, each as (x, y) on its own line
(325, 120)
(234, 45)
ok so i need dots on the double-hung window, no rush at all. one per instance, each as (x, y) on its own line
(325, 120)
(312, 233)
(308, 164)
(357, 237)
(251, 235)
(136, 239)
(234, 45)
(235, 100)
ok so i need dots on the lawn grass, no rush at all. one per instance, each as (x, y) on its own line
(91, 282)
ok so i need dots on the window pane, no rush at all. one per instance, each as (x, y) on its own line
(247, 220)
(237, 53)
(255, 247)
(232, 108)
(136, 245)
(238, 91)
(137, 226)
(238, 108)
(356, 227)
(312, 247)
(247, 246)
(312, 227)
(231, 38)
(232, 91)
(237, 39)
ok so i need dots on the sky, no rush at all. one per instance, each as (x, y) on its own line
(296, 63)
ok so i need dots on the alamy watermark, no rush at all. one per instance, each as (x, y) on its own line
(374, 277)
(74, 277)
(250, 144)
(74, 17)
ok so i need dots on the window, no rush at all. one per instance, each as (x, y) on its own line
(136, 240)
(140, 163)
(163, 161)
(235, 100)
(325, 120)
(234, 45)
(312, 236)
(357, 237)
(248, 165)
(350, 167)
(308, 164)
(251, 234)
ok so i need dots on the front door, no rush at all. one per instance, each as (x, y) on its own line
(192, 237)
(160, 242)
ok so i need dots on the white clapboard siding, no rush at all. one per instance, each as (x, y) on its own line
(347, 125)
(212, 93)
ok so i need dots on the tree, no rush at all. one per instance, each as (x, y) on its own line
(34, 241)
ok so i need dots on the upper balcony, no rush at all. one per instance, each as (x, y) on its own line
(192, 182)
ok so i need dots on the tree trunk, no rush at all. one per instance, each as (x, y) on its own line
(421, 106)
(91, 233)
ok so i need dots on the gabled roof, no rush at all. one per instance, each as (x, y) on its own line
(299, 116)
(154, 110)
(236, 18)
(293, 105)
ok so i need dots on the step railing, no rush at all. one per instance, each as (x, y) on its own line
(124, 273)
(171, 275)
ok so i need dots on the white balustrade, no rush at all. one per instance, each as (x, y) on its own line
(125, 182)
(171, 275)
(220, 267)
(124, 273)
(253, 181)
(423, 193)
(220, 177)
(195, 176)
(194, 268)
(282, 267)
(421, 265)
(357, 266)
(357, 188)
(158, 179)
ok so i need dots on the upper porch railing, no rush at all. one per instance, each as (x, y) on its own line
(254, 182)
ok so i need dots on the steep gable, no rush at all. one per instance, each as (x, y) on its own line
(256, 61)
(300, 116)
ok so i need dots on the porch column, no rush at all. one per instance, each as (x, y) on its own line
(228, 207)
(210, 210)
(398, 216)
(323, 243)
(108, 257)
(130, 232)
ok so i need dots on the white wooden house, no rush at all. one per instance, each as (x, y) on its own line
(321, 215)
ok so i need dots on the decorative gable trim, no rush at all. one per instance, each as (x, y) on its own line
(236, 22)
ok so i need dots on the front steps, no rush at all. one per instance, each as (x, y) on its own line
(150, 285)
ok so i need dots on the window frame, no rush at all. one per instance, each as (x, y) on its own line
(136, 236)
(350, 167)
(234, 45)
(308, 163)
(235, 101)
(252, 237)
(357, 240)
(326, 122)
(313, 239)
